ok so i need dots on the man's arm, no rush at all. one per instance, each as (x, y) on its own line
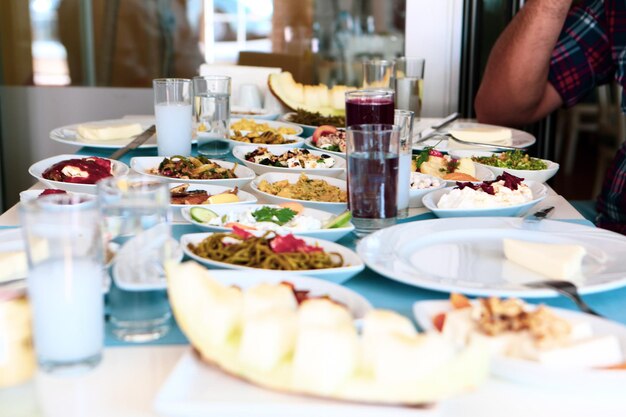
(515, 88)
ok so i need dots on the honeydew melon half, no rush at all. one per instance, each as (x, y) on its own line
(312, 98)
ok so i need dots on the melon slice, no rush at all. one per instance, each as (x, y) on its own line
(315, 348)
(312, 98)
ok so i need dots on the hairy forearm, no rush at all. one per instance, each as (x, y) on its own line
(515, 88)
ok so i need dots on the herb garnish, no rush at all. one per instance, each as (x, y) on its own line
(274, 215)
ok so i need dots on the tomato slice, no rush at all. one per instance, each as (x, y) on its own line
(322, 131)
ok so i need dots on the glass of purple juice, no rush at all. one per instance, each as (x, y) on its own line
(373, 159)
(369, 106)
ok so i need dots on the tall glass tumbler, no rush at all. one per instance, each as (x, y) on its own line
(172, 109)
(136, 217)
(378, 73)
(370, 106)
(65, 280)
(373, 159)
(404, 121)
(409, 84)
(212, 114)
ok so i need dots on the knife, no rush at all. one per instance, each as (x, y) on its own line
(138, 141)
(429, 132)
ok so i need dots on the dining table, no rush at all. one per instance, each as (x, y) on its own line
(129, 380)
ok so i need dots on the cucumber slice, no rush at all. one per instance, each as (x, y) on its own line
(338, 221)
(202, 215)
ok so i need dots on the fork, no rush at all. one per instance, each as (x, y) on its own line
(566, 288)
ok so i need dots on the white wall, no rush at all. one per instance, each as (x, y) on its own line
(30, 113)
(433, 32)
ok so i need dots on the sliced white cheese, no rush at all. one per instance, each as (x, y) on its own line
(99, 132)
(265, 297)
(557, 261)
(484, 134)
(267, 339)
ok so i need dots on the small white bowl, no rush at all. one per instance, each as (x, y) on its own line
(37, 169)
(240, 153)
(309, 144)
(353, 264)
(244, 198)
(538, 175)
(415, 195)
(272, 177)
(431, 200)
(142, 164)
(328, 234)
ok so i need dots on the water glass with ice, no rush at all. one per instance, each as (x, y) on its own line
(373, 158)
(136, 218)
(172, 109)
(378, 73)
(65, 281)
(404, 120)
(409, 84)
(212, 114)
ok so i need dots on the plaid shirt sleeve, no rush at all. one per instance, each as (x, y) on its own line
(582, 56)
(611, 205)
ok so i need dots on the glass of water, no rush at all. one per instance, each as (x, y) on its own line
(378, 73)
(409, 82)
(404, 120)
(136, 218)
(172, 109)
(212, 114)
(65, 281)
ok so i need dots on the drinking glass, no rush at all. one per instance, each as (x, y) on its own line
(212, 114)
(378, 73)
(65, 280)
(136, 217)
(409, 82)
(404, 121)
(373, 154)
(370, 106)
(172, 109)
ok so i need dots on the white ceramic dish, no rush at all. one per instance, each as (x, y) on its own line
(339, 168)
(238, 112)
(69, 136)
(309, 143)
(298, 142)
(37, 169)
(533, 373)
(245, 198)
(271, 123)
(142, 164)
(272, 177)
(29, 195)
(353, 263)
(519, 138)
(538, 175)
(431, 200)
(327, 234)
(466, 256)
(416, 195)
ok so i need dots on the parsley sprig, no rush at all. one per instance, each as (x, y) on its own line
(275, 215)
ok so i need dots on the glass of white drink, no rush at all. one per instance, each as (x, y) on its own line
(212, 114)
(65, 281)
(404, 120)
(409, 82)
(136, 217)
(172, 109)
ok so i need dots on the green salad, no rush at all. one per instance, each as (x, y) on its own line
(512, 160)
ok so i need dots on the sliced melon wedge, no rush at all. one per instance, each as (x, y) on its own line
(312, 98)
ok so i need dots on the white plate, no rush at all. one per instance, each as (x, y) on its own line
(328, 234)
(272, 177)
(465, 255)
(520, 139)
(239, 152)
(237, 112)
(309, 143)
(353, 263)
(142, 164)
(539, 175)
(244, 198)
(529, 372)
(37, 169)
(271, 123)
(431, 200)
(67, 134)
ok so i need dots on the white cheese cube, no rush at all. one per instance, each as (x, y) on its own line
(264, 297)
(267, 339)
(98, 132)
(557, 261)
(483, 134)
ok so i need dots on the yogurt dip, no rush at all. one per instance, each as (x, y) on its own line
(300, 223)
(490, 194)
